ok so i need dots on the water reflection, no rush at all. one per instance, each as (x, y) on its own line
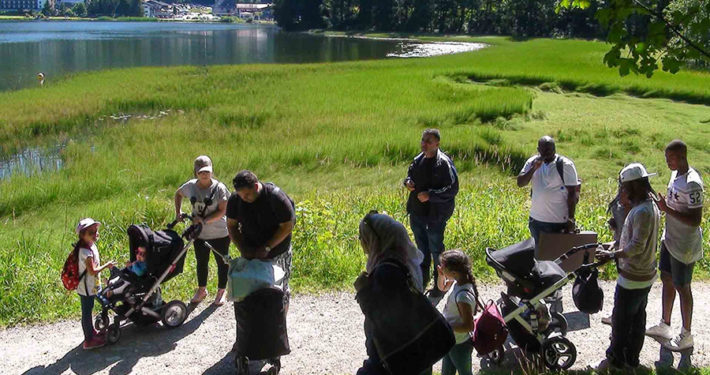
(61, 48)
(32, 161)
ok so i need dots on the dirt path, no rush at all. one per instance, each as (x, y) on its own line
(325, 332)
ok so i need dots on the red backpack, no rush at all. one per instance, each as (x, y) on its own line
(70, 271)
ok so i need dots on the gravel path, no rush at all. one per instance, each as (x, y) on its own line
(325, 332)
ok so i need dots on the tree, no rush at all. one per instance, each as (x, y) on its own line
(675, 32)
(48, 8)
(79, 9)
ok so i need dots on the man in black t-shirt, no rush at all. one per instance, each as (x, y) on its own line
(260, 219)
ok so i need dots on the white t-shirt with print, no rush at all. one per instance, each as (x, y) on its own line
(459, 293)
(219, 193)
(89, 281)
(549, 194)
(685, 192)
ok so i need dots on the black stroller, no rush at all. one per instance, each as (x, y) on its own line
(141, 302)
(530, 282)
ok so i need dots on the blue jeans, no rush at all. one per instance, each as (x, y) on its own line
(429, 236)
(537, 227)
(87, 309)
(458, 359)
(628, 326)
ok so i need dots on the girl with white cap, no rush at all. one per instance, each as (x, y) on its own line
(89, 281)
(208, 198)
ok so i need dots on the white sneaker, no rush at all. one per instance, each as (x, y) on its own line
(607, 320)
(662, 330)
(680, 342)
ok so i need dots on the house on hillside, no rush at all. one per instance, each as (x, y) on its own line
(255, 11)
(157, 9)
(21, 5)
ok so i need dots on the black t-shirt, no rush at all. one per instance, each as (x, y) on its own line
(259, 220)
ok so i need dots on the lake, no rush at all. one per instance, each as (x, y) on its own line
(58, 48)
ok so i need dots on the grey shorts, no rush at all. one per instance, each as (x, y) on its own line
(681, 273)
(284, 261)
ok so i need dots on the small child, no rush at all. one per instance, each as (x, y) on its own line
(137, 268)
(459, 310)
(89, 269)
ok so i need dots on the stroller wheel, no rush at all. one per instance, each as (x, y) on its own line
(101, 322)
(275, 366)
(113, 334)
(497, 355)
(558, 323)
(559, 353)
(173, 314)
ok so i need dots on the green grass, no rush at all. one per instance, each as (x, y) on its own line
(338, 138)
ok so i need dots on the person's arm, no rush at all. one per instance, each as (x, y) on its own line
(449, 180)
(235, 235)
(281, 233)
(178, 204)
(641, 231)
(467, 323)
(528, 170)
(693, 217)
(408, 182)
(218, 214)
(571, 207)
(93, 270)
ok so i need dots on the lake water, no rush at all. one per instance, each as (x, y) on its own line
(59, 48)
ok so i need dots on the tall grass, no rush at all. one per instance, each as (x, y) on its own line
(337, 137)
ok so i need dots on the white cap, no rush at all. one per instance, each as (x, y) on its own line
(85, 223)
(634, 171)
(203, 163)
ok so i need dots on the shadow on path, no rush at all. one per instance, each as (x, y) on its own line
(136, 343)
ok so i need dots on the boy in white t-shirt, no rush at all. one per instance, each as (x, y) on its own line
(554, 190)
(681, 244)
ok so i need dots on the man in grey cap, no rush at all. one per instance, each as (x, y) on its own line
(554, 189)
(637, 270)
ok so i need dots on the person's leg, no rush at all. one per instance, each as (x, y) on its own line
(533, 226)
(202, 258)
(222, 247)
(620, 328)
(682, 275)
(284, 261)
(419, 229)
(435, 233)
(460, 356)
(668, 293)
(447, 366)
(87, 309)
(637, 307)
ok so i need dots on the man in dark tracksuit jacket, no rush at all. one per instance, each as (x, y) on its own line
(433, 183)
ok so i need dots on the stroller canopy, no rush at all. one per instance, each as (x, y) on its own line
(519, 260)
(162, 248)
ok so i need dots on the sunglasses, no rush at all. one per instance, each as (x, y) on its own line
(92, 231)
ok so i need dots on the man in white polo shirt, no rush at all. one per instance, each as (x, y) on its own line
(681, 244)
(554, 189)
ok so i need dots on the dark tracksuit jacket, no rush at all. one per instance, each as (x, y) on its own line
(437, 176)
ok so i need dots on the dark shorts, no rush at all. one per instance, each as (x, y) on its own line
(681, 273)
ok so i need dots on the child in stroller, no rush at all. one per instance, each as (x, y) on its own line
(121, 279)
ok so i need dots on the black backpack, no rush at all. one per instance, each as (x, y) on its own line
(586, 293)
(409, 333)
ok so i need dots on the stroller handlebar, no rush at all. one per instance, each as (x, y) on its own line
(192, 231)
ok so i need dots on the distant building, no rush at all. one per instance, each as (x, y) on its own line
(157, 9)
(21, 5)
(243, 10)
(69, 3)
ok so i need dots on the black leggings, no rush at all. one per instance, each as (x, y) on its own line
(202, 255)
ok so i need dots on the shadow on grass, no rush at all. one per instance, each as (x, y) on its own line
(136, 343)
